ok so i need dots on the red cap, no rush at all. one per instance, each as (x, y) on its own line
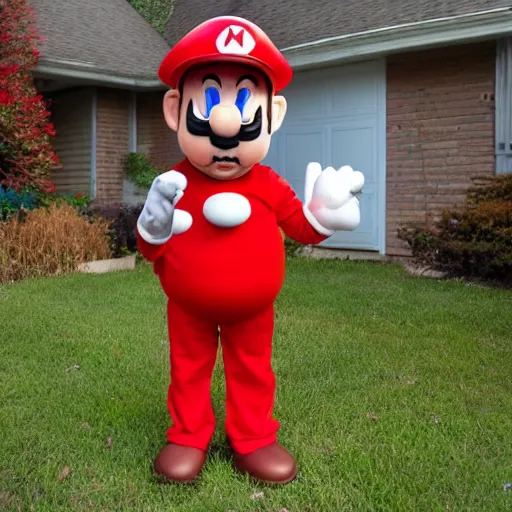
(226, 39)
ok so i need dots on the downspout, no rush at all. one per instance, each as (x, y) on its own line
(94, 130)
(132, 129)
(129, 188)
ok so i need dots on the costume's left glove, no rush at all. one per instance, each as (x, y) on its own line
(330, 202)
(155, 223)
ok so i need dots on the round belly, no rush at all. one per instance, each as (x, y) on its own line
(225, 273)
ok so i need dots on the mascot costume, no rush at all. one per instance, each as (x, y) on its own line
(220, 256)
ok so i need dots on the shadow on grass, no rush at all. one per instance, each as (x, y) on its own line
(220, 451)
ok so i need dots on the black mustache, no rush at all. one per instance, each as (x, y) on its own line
(233, 159)
(202, 128)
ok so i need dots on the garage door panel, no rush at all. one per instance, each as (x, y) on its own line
(301, 146)
(305, 97)
(350, 93)
(354, 145)
(365, 235)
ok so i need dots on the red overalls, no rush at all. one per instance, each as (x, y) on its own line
(228, 277)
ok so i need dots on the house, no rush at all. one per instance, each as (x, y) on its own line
(416, 95)
(98, 66)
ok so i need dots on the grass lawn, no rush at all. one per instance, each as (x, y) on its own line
(394, 393)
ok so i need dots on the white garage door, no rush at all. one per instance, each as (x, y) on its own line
(336, 116)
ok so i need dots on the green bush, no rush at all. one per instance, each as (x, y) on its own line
(474, 241)
(11, 201)
(78, 201)
(139, 170)
(156, 12)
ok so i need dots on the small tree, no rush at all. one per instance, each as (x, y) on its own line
(156, 12)
(26, 154)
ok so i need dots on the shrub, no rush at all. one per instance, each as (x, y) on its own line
(78, 201)
(123, 230)
(138, 168)
(122, 222)
(26, 155)
(474, 241)
(490, 188)
(48, 241)
(11, 201)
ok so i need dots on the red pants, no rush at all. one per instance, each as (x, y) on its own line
(250, 381)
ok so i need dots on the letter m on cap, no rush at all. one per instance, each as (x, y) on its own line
(235, 40)
(239, 38)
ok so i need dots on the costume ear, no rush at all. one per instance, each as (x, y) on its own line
(172, 109)
(278, 112)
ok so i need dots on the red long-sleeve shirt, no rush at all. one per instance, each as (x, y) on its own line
(229, 272)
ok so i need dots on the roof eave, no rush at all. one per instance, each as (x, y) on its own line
(89, 74)
(385, 41)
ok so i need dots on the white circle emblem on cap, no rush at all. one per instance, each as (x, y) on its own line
(235, 40)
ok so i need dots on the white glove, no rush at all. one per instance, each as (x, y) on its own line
(330, 204)
(155, 222)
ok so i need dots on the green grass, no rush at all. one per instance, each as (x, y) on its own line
(394, 393)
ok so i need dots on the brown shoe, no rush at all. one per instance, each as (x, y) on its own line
(179, 463)
(271, 464)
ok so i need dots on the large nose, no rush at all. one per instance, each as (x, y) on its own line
(225, 120)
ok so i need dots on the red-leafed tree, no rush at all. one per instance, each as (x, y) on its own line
(26, 154)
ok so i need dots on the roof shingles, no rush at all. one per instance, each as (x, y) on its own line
(299, 21)
(105, 36)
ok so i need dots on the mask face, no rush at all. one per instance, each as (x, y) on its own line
(201, 126)
(222, 118)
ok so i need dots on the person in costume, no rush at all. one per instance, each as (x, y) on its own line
(220, 256)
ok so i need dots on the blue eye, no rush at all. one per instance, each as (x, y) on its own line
(212, 99)
(241, 98)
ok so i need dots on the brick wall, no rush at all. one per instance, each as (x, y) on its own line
(154, 137)
(440, 131)
(112, 144)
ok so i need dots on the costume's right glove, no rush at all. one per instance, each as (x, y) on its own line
(155, 223)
